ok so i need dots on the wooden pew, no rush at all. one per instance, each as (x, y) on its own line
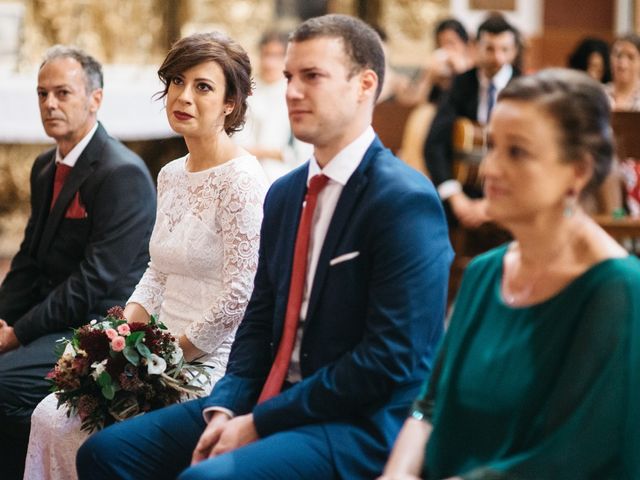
(389, 118)
(626, 131)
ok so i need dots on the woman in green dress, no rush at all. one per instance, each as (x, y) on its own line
(539, 374)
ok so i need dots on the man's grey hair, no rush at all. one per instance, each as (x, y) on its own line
(92, 68)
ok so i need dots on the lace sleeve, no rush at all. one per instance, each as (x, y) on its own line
(150, 289)
(239, 217)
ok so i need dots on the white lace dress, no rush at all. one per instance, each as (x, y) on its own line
(204, 253)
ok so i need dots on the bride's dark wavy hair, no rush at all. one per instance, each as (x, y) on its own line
(228, 54)
(581, 110)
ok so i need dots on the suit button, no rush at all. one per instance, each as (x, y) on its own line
(305, 355)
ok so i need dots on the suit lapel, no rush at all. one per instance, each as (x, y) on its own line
(288, 229)
(292, 213)
(346, 203)
(83, 168)
(41, 200)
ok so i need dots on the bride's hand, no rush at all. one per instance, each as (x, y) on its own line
(189, 350)
(135, 313)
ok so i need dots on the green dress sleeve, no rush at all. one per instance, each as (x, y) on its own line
(589, 427)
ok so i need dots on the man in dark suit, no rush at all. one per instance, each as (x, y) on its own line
(347, 307)
(472, 95)
(85, 244)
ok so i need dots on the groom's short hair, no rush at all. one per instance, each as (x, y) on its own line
(361, 42)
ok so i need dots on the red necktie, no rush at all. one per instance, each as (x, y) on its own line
(280, 366)
(62, 172)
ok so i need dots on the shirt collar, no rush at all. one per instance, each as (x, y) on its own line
(341, 167)
(499, 80)
(72, 157)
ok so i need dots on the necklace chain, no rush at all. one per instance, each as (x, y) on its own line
(520, 296)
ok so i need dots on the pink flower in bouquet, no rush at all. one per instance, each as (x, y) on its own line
(111, 333)
(117, 344)
(124, 329)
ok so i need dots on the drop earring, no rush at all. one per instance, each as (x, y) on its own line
(570, 203)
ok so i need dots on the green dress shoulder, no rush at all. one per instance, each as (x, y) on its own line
(549, 391)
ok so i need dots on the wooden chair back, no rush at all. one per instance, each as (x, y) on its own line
(389, 118)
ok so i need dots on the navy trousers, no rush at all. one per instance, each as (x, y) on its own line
(158, 445)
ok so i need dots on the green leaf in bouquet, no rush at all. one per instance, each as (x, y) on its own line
(135, 338)
(154, 322)
(108, 391)
(60, 346)
(104, 379)
(107, 387)
(179, 366)
(144, 350)
(131, 354)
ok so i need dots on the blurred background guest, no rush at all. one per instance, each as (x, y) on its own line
(452, 57)
(267, 133)
(471, 96)
(624, 90)
(538, 376)
(591, 55)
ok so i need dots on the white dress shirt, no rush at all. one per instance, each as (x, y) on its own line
(500, 81)
(72, 157)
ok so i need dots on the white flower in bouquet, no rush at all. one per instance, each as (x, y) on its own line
(69, 351)
(176, 355)
(98, 368)
(156, 365)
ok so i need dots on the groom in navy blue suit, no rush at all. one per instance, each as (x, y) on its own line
(371, 279)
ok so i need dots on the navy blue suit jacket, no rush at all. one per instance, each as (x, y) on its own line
(373, 322)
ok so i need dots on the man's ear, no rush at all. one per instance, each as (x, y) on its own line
(368, 84)
(95, 100)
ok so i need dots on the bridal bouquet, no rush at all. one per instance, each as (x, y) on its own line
(111, 370)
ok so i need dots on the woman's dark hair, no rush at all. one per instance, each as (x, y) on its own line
(453, 25)
(581, 110)
(228, 54)
(579, 58)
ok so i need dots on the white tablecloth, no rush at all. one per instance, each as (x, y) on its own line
(128, 112)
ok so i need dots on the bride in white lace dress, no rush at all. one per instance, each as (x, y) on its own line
(204, 246)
